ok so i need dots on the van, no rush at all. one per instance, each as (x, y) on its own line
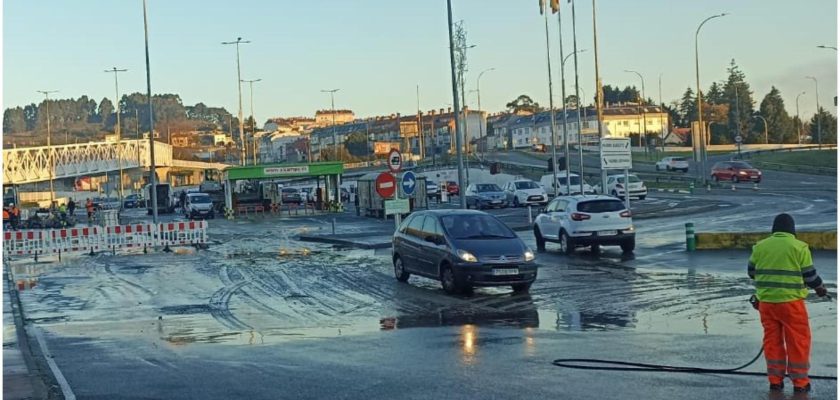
(547, 183)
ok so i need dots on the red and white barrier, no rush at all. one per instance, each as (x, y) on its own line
(23, 242)
(72, 240)
(130, 236)
(181, 233)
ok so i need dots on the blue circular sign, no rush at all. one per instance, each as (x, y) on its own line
(408, 182)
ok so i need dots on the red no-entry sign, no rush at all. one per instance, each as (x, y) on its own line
(386, 185)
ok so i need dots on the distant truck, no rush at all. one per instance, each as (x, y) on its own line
(165, 201)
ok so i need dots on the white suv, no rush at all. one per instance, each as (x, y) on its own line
(523, 192)
(547, 182)
(615, 186)
(585, 221)
(672, 164)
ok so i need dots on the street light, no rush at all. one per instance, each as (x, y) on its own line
(478, 90)
(336, 155)
(700, 127)
(253, 119)
(49, 143)
(827, 47)
(152, 167)
(819, 120)
(766, 140)
(118, 129)
(239, 86)
(641, 113)
(799, 125)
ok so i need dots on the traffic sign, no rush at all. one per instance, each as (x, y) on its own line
(398, 206)
(738, 139)
(394, 160)
(615, 145)
(408, 182)
(616, 154)
(616, 161)
(386, 185)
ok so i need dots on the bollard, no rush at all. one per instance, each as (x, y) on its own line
(333, 226)
(755, 186)
(691, 187)
(690, 239)
(530, 219)
(708, 187)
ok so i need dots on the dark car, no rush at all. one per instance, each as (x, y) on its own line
(132, 201)
(462, 249)
(484, 195)
(290, 195)
(735, 171)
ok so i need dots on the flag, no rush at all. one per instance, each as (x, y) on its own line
(542, 7)
(555, 6)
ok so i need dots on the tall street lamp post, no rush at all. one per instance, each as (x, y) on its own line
(700, 126)
(461, 198)
(50, 166)
(819, 119)
(239, 87)
(152, 172)
(566, 117)
(642, 116)
(478, 90)
(766, 137)
(827, 47)
(799, 121)
(118, 128)
(253, 119)
(336, 155)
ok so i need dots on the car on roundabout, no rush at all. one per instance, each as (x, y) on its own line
(485, 195)
(462, 249)
(672, 164)
(735, 171)
(523, 192)
(577, 221)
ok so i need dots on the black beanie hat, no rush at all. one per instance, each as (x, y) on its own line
(784, 223)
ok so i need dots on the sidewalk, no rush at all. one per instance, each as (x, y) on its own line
(17, 379)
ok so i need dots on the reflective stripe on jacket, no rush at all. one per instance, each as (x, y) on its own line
(782, 266)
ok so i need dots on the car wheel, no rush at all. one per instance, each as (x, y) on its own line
(521, 287)
(515, 201)
(628, 245)
(715, 178)
(734, 178)
(540, 239)
(668, 169)
(567, 246)
(642, 197)
(447, 280)
(399, 270)
(615, 194)
(596, 248)
(657, 167)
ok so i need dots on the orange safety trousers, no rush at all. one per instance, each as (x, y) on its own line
(787, 341)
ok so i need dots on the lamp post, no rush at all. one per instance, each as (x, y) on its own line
(239, 87)
(253, 119)
(643, 127)
(799, 121)
(827, 47)
(152, 172)
(461, 198)
(551, 106)
(702, 133)
(50, 165)
(766, 137)
(118, 128)
(336, 155)
(565, 117)
(478, 90)
(819, 119)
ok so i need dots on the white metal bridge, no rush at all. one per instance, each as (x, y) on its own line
(32, 164)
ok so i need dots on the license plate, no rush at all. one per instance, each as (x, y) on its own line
(607, 233)
(506, 271)
(754, 177)
(496, 201)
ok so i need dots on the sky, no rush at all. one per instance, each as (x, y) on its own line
(376, 52)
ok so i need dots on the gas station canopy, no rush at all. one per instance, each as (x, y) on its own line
(268, 171)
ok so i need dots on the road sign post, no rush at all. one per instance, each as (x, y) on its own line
(408, 183)
(616, 154)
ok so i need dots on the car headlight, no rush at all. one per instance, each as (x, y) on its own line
(467, 256)
(742, 172)
(529, 255)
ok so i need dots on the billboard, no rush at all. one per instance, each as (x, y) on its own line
(383, 148)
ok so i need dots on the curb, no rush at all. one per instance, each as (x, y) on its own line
(342, 242)
(672, 191)
(745, 240)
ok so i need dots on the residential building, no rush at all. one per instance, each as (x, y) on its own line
(526, 131)
(328, 117)
(626, 119)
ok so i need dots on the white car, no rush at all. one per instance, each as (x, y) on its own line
(672, 164)
(524, 192)
(615, 186)
(198, 205)
(585, 221)
(548, 185)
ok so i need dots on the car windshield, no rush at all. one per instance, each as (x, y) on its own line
(523, 185)
(633, 179)
(200, 199)
(740, 165)
(487, 187)
(679, 159)
(575, 180)
(600, 206)
(475, 226)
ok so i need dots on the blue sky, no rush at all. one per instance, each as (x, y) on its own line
(377, 51)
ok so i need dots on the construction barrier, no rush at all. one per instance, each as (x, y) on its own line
(93, 239)
(745, 240)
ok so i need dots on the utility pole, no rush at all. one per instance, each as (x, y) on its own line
(461, 198)
(702, 128)
(118, 128)
(642, 116)
(563, 59)
(819, 116)
(50, 166)
(478, 93)
(336, 155)
(239, 87)
(152, 173)
(661, 110)
(551, 105)
(599, 93)
(253, 119)
(420, 134)
(766, 137)
(799, 121)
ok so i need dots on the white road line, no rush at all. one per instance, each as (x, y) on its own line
(65, 387)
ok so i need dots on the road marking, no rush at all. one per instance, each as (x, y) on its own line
(65, 387)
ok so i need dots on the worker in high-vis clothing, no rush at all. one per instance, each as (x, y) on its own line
(783, 271)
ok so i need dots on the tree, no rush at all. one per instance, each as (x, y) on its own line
(14, 120)
(523, 104)
(357, 144)
(571, 101)
(737, 93)
(826, 131)
(715, 94)
(687, 108)
(780, 126)
(106, 108)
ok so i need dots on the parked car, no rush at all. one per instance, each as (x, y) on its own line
(452, 188)
(538, 147)
(462, 249)
(481, 195)
(547, 183)
(290, 195)
(672, 164)
(585, 221)
(525, 191)
(198, 205)
(106, 203)
(132, 201)
(432, 189)
(735, 171)
(615, 186)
